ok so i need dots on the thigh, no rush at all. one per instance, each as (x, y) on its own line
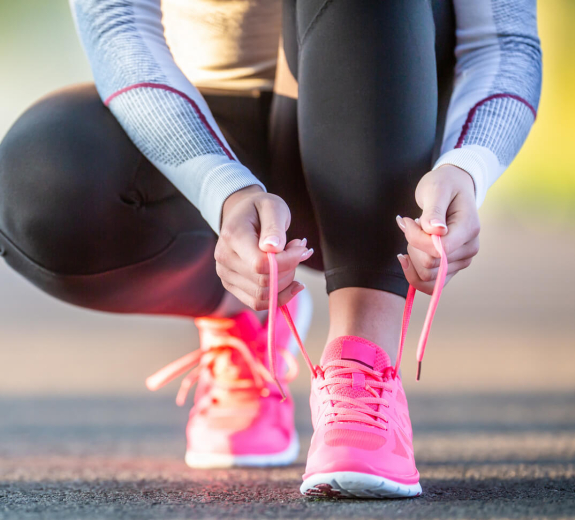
(85, 217)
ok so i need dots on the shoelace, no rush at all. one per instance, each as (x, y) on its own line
(206, 358)
(437, 289)
(362, 412)
(433, 303)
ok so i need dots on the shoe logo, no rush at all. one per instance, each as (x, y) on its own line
(399, 449)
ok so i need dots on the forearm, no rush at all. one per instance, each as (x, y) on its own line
(498, 84)
(160, 110)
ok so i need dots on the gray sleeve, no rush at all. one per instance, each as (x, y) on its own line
(497, 89)
(160, 110)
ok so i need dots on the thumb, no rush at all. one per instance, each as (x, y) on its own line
(433, 218)
(274, 218)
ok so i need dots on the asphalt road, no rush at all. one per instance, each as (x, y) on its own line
(494, 414)
(480, 456)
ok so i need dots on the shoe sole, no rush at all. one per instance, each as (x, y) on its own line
(225, 460)
(356, 485)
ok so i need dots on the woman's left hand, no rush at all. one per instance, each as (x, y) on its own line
(447, 199)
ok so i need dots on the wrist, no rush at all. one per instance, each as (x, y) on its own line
(238, 196)
(459, 178)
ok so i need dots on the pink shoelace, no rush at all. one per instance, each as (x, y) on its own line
(359, 411)
(201, 359)
(213, 357)
(437, 289)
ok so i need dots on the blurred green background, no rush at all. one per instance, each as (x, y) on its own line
(509, 319)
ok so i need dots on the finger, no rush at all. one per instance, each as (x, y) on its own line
(261, 305)
(274, 219)
(418, 238)
(430, 275)
(306, 255)
(290, 258)
(413, 278)
(468, 250)
(289, 292)
(463, 221)
(238, 247)
(257, 266)
(297, 242)
(245, 298)
(259, 291)
(434, 200)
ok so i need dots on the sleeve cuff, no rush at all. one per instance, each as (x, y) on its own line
(479, 162)
(218, 184)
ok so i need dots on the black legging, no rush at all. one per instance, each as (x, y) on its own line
(86, 218)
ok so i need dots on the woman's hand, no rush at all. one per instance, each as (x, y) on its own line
(253, 223)
(447, 199)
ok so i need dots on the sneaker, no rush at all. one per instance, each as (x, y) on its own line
(238, 417)
(362, 441)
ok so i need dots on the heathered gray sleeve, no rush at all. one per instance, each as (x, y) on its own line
(497, 89)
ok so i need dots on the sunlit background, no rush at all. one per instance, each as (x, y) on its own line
(506, 324)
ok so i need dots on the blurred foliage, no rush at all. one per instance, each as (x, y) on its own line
(40, 52)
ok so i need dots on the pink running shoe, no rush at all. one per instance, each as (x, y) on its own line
(238, 417)
(362, 441)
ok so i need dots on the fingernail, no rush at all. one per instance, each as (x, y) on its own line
(272, 241)
(435, 222)
(402, 260)
(400, 222)
(304, 242)
(306, 255)
(298, 288)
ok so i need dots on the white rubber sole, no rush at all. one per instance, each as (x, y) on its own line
(224, 460)
(356, 485)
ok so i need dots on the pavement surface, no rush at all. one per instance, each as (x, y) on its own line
(494, 414)
(480, 456)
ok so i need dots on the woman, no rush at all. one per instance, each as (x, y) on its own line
(118, 205)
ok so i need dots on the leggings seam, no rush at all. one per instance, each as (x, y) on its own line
(314, 21)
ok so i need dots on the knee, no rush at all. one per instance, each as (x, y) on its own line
(57, 183)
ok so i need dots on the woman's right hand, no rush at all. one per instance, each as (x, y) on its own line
(253, 223)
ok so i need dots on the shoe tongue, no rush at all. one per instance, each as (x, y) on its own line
(245, 326)
(353, 348)
(363, 352)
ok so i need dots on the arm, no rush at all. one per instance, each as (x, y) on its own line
(160, 110)
(497, 88)
(492, 109)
